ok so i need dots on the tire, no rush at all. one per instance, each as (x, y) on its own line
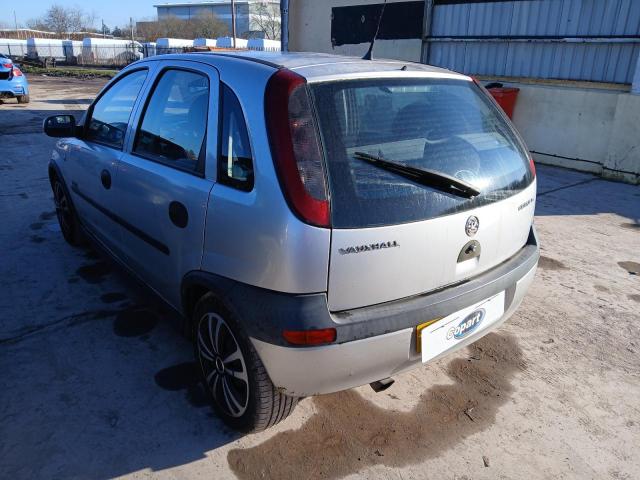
(246, 400)
(66, 214)
(23, 99)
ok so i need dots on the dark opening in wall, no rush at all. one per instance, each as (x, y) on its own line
(357, 23)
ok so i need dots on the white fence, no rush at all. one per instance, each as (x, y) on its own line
(13, 48)
(116, 53)
(71, 52)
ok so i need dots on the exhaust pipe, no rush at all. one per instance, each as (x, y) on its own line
(381, 385)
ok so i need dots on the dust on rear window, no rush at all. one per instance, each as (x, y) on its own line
(444, 125)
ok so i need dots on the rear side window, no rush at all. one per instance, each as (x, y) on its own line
(110, 115)
(444, 125)
(235, 163)
(174, 123)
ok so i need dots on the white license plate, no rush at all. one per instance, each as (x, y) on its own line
(452, 329)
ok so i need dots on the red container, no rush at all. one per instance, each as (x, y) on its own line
(506, 98)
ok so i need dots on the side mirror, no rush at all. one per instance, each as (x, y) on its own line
(60, 126)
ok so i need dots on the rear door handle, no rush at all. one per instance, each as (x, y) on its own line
(105, 178)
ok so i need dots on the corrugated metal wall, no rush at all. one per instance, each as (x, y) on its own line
(595, 40)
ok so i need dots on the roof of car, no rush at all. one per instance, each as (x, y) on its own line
(322, 65)
(298, 60)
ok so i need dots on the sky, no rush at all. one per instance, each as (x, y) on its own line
(113, 12)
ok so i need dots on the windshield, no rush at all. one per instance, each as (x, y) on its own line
(446, 126)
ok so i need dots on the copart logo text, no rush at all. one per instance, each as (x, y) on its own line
(466, 326)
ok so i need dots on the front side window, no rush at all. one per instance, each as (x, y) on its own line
(174, 123)
(235, 164)
(110, 115)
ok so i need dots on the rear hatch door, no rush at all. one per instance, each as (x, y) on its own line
(395, 237)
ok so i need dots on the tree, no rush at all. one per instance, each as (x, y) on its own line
(63, 20)
(206, 25)
(267, 19)
(174, 27)
(36, 24)
(148, 30)
(116, 32)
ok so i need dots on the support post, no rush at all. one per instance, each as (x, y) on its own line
(427, 20)
(233, 23)
(284, 25)
(635, 85)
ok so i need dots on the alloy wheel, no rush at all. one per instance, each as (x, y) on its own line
(63, 209)
(223, 365)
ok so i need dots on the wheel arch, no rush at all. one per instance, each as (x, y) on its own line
(54, 171)
(195, 285)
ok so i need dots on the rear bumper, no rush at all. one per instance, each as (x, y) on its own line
(318, 370)
(380, 341)
(14, 87)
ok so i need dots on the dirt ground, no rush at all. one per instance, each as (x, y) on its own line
(96, 382)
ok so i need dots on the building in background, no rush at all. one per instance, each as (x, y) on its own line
(253, 17)
(576, 63)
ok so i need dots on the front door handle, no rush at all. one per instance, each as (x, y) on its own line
(105, 178)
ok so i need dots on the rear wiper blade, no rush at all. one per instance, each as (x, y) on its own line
(430, 178)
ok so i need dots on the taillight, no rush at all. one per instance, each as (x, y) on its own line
(295, 147)
(310, 337)
(17, 72)
(7, 65)
(532, 166)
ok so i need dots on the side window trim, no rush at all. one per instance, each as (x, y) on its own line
(89, 114)
(221, 177)
(200, 170)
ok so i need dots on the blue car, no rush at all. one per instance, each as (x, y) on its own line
(13, 83)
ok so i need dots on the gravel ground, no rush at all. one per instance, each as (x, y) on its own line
(97, 383)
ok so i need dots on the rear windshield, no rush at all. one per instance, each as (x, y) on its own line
(444, 125)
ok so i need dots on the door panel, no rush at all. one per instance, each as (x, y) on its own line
(93, 160)
(164, 182)
(90, 197)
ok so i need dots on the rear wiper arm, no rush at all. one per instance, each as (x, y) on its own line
(430, 178)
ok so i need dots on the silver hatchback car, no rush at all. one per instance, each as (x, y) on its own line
(320, 222)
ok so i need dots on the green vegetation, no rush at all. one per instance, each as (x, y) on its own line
(76, 72)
